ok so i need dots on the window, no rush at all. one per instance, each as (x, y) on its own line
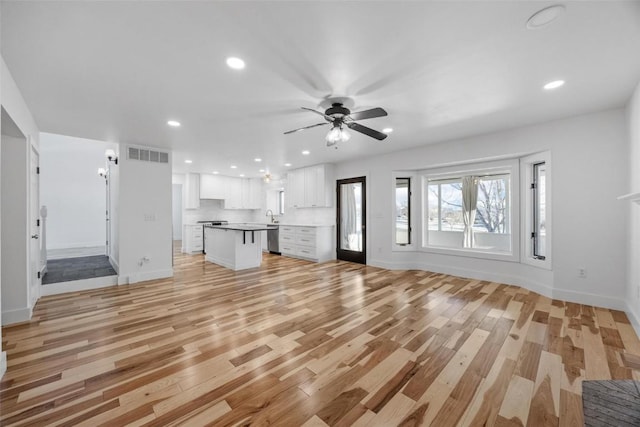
(281, 202)
(403, 211)
(472, 209)
(445, 205)
(536, 233)
(539, 233)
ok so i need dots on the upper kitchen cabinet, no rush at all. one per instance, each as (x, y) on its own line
(311, 187)
(192, 191)
(243, 193)
(212, 186)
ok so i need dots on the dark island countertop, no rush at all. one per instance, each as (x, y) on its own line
(243, 227)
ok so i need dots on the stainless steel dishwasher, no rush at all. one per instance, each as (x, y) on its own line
(273, 239)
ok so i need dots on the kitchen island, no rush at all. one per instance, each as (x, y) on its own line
(234, 246)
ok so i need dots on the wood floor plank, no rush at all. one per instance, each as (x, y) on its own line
(297, 343)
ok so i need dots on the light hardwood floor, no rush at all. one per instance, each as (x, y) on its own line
(295, 343)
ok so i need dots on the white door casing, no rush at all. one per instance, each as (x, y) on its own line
(34, 228)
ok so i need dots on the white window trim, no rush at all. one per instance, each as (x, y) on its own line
(512, 166)
(415, 203)
(526, 249)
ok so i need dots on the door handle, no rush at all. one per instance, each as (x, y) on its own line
(34, 236)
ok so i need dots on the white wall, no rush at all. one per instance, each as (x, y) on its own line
(72, 191)
(176, 208)
(144, 220)
(14, 105)
(3, 354)
(16, 305)
(633, 252)
(589, 161)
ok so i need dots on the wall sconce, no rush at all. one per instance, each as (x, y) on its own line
(102, 172)
(111, 156)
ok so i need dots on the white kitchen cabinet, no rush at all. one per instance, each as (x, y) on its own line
(256, 194)
(295, 185)
(192, 191)
(212, 186)
(243, 193)
(315, 243)
(192, 239)
(233, 193)
(311, 187)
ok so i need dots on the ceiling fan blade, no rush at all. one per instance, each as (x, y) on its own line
(329, 118)
(306, 127)
(368, 114)
(367, 131)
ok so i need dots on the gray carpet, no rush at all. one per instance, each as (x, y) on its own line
(68, 269)
(613, 403)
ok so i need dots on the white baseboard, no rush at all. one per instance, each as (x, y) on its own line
(3, 363)
(595, 300)
(114, 264)
(604, 301)
(78, 285)
(17, 315)
(144, 276)
(633, 318)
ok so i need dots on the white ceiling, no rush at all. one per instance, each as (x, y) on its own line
(117, 71)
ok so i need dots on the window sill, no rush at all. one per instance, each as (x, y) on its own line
(494, 256)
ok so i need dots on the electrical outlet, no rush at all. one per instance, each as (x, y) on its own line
(582, 272)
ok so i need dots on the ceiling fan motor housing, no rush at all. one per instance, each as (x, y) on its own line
(337, 110)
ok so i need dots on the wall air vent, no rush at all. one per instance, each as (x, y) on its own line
(134, 153)
(147, 155)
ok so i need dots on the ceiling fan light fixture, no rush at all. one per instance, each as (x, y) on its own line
(337, 134)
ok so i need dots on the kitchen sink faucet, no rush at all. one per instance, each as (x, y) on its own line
(270, 212)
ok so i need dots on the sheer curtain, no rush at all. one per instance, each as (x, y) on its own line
(349, 230)
(469, 204)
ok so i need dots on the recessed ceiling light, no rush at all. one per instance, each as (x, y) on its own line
(242, 175)
(216, 172)
(261, 170)
(287, 164)
(235, 63)
(545, 16)
(387, 130)
(234, 167)
(188, 161)
(257, 159)
(554, 84)
(306, 152)
(173, 123)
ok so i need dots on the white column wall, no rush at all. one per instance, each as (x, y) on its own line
(145, 225)
(15, 106)
(633, 236)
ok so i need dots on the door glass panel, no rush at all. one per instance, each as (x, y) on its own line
(351, 216)
(403, 211)
(539, 214)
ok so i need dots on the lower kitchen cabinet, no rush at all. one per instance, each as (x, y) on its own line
(315, 243)
(192, 239)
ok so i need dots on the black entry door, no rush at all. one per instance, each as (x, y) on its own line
(351, 221)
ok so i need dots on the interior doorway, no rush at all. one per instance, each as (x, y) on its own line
(352, 220)
(35, 248)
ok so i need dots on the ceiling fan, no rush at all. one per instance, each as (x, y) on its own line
(339, 116)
